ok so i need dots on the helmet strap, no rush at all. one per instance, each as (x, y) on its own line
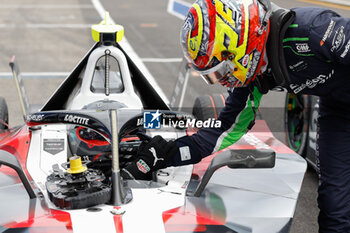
(268, 8)
(261, 61)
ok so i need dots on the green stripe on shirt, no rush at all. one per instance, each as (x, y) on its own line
(299, 54)
(295, 39)
(293, 26)
(240, 127)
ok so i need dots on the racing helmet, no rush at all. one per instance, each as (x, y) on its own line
(225, 40)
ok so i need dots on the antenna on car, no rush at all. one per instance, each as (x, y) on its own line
(120, 193)
(107, 53)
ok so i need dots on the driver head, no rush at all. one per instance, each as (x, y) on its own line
(225, 40)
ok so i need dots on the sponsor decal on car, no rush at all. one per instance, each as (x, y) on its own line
(139, 122)
(346, 50)
(142, 166)
(338, 39)
(76, 119)
(311, 83)
(328, 32)
(35, 117)
(53, 146)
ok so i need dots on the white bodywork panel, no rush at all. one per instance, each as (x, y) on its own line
(85, 96)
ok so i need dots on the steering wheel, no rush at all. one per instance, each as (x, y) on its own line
(134, 129)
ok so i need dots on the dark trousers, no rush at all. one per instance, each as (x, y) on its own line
(334, 164)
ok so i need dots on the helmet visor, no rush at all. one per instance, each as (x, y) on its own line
(218, 72)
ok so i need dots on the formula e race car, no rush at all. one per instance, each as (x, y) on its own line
(60, 172)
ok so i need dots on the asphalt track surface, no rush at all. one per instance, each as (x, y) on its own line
(52, 36)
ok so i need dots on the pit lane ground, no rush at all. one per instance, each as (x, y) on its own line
(51, 36)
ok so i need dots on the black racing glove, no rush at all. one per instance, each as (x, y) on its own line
(151, 156)
(158, 153)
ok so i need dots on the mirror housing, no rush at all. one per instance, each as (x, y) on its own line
(11, 161)
(237, 159)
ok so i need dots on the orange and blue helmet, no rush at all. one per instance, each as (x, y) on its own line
(225, 40)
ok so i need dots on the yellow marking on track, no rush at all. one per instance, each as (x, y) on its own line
(149, 25)
(327, 4)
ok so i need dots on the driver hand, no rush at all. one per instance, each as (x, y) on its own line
(151, 156)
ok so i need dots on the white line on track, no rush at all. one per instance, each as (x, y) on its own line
(340, 2)
(45, 26)
(161, 60)
(52, 6)
(41, 75)
(132, 54)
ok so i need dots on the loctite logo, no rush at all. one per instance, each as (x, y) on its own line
(76, 119)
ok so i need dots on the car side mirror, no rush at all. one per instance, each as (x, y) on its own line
(11, 161)
(237, 159)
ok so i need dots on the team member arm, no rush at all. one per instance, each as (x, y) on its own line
(330, 37)
(236, 118)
